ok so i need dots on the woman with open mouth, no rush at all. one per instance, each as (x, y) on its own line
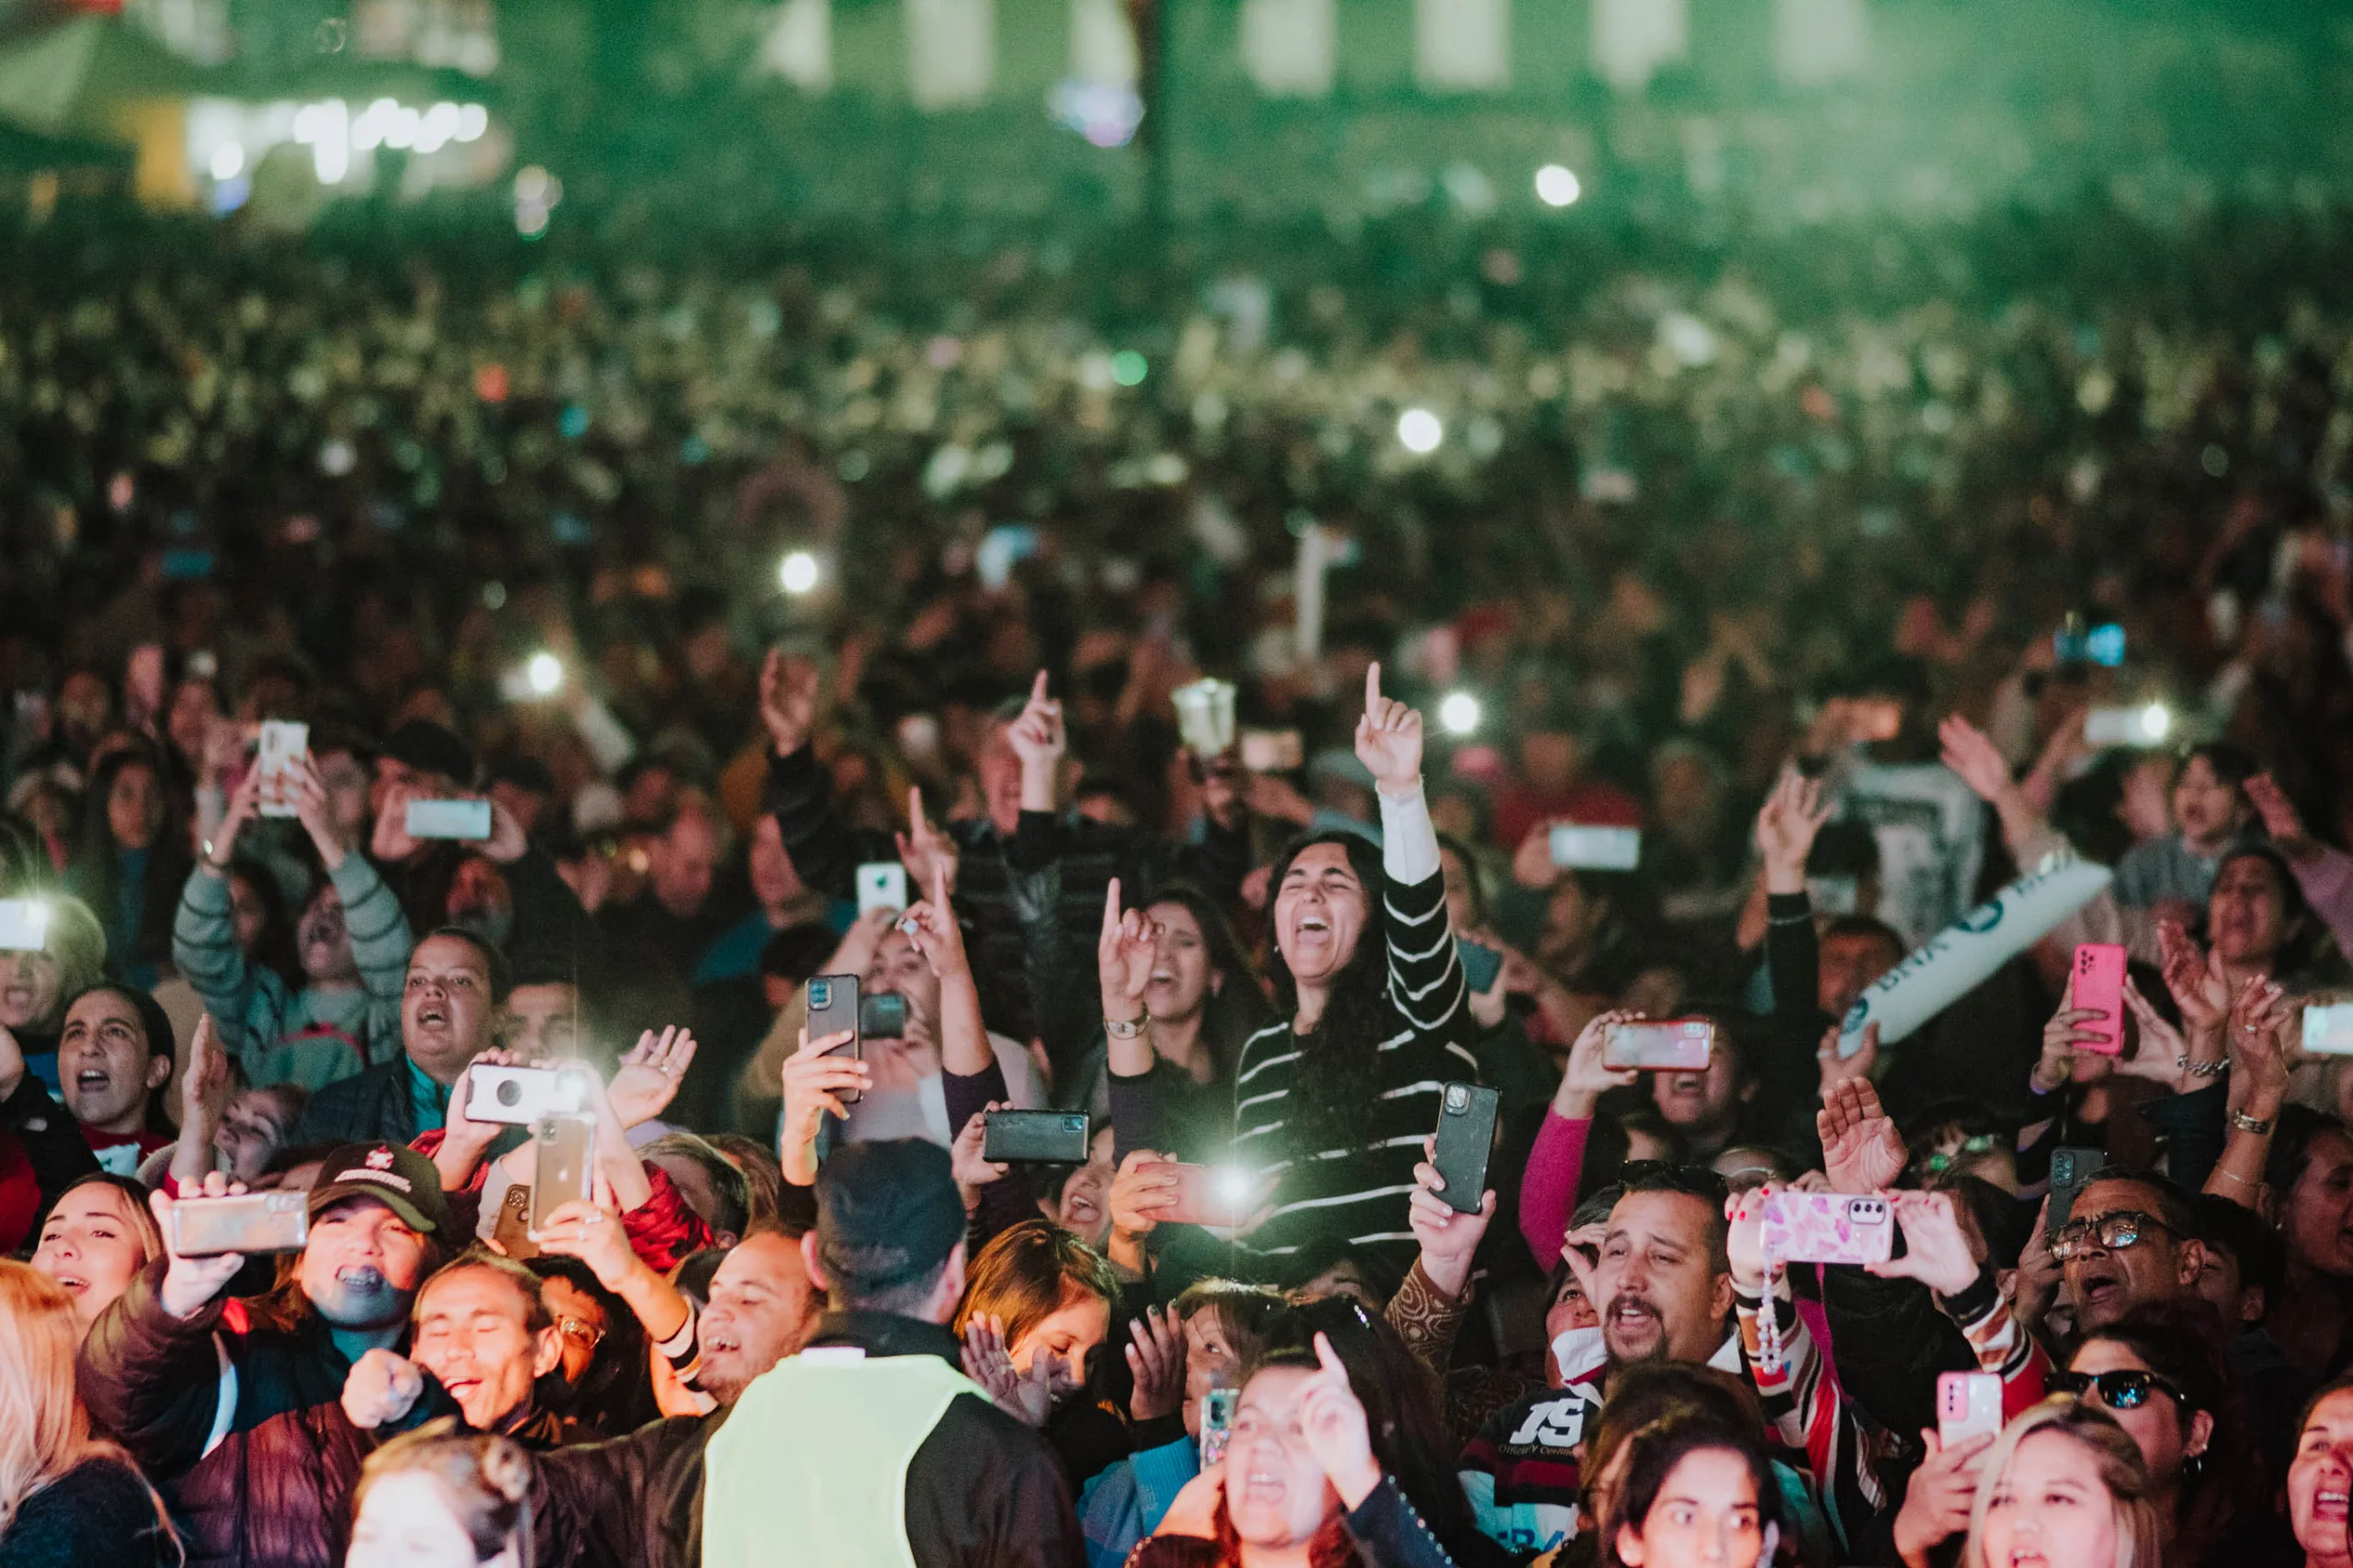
(2064, 1487)
(97, 1238)
(2320, 1480)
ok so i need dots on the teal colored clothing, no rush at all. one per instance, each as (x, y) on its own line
(428, 1100)
(735, 953)
(1126, 1502)
(309, 1037)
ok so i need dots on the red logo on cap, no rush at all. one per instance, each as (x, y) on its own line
(380, 1159)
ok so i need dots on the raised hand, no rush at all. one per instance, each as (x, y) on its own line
(2163, 1056)
(1585, 1080)
(1332, 1425)
(508, 842)
(1389, 739)
(1938, 1252)
(314, 810)
(971, 1171)
(1938, 1500)
(2260, 1029)
(190, 1283)
(204, 1085)
(379, 1389)
(931, 926)
(1155, 1353)
(2200, 990)
(1970, 754)
(788, 702)
(1449, 1237)
(647, 1079)
(924, 850)
(1123, 957)
(1835, 1069)
(2280, 818)
(815, 1081)
(2064, 1058)
(1037, 737)
(1861, 1150)
(1144, 1186)
(390, 842)
(244, 802)
(595, 1235)
(1027, 1398)
(1786, 826)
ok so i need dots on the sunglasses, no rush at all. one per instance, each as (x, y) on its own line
(2117, 1390)
(2113, 1233)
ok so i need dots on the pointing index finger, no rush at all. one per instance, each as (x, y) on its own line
(1372, 689)
(1038, 688)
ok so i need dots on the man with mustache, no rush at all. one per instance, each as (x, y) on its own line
(1662, 1285)
(233, 1409)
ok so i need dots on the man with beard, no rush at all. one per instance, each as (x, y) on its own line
(455, 982)
(233, 1409)
(1662, 1285)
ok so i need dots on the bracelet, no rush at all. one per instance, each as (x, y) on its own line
(1125, 1029)
(2232, 1175)
(2202, 1069)
(2245, 1123)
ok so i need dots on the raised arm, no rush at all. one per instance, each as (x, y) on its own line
(204, 931)
(799, 795)
(1425, 975)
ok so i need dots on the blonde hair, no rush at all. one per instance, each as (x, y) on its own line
(2121, 1472)
(486, 1480)
(47, 1432)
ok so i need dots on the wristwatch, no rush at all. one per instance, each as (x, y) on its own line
(1124, 1029)
(2246, 1123)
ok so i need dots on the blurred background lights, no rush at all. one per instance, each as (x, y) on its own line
(1127, 368)
(2156, 722)
(1557, 186)
(798, 572)
(1458, 713)
(228, 161)
(1419, 432)
(545, 672)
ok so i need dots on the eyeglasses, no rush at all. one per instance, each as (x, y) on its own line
(2118, 1390)
(2115, 1232)
(580, 1332)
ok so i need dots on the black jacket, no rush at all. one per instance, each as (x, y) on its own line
(53, 1145)
(369, 1106)
(98, 1515)
(983, 1491)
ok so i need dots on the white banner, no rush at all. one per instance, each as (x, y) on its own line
(1462, 44)
(1632, 38)
(1290, 48)
(1816, 41)
(799, 44)
(1102, 44)
(952, 52)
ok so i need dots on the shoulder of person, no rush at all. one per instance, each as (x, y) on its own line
(103, 1502)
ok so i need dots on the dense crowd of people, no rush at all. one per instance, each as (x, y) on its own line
(548, 1106)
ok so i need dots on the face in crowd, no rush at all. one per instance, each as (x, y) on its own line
(1662, 1286)
(485, 1340)
(1321, 910)
(106, 1064)
(445, 1006)
(2105, 1281)
(362, 1265)
(762, 1307)
(94, 1243)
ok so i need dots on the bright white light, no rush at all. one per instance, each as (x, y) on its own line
(799, 572)
(400, 132)
(228, 161)
(545, 672)
(1233, 1186)
(473, 120)
(1419, 431)
(1557, 187)
(327, 128)
(440, 124)
(1459, 714)
(2156, 721)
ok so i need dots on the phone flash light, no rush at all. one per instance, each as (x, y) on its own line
(36, 920)
(1233, 1186)
(2156, 721)
(1459, 714)
(545, 672)
(798, 572)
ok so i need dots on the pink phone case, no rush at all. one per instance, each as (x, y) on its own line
(1671, 1045)
(1827, 1227)
(1969, 1404)
(2099, 984)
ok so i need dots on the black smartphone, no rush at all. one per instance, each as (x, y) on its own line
(833, 1007)
(1057, 1137)
(2070, 1170)
(1481, 963)
(1466, 1137)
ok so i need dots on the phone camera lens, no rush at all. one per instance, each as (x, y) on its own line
(510, 1093)
(1456, 1100)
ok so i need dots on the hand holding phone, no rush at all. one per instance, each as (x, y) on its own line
(1576, 847)
(448, 818)
(833, 1009)
(281, 751)
(24, 925)
(1466, 1137)
(1666, 1045)
(1969, 1404)
(563, 1166)
(2328, 1029)
(882, 884)
(1827, 1227)
(2099, 987)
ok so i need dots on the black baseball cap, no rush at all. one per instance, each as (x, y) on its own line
(394, 1175)
(888, 1213)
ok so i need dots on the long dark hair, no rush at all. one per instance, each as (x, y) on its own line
(1342, 1053)
(1655, 1453)
(2182, 1341)
(1239, 1007)
(275, 949)
(1400, 1405)
(95, 875)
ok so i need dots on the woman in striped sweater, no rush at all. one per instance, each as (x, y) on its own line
(1331, 1105)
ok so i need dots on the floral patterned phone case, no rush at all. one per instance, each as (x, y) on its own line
(1827, 1227)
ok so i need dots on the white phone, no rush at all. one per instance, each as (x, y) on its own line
(283, 743)
(1598, 848)
(2328, 1029)
(1969, 1404)
(882, 884)
(448, 819)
